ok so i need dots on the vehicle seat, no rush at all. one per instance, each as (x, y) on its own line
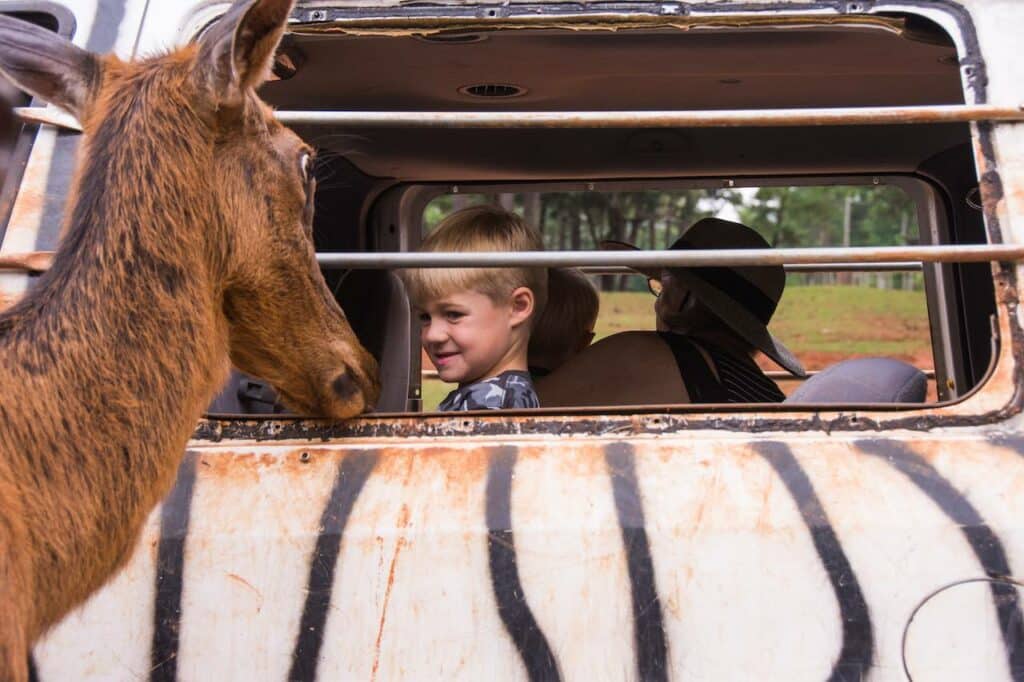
(864, 380)
(244, 394)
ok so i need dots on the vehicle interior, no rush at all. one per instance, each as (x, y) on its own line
(378, 186)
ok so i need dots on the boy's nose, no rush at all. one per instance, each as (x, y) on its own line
(434, 333)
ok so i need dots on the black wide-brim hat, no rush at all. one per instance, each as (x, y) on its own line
(745, 297)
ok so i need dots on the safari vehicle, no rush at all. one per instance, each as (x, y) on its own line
(858, 539)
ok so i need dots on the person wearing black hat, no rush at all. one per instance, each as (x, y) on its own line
(711, 322)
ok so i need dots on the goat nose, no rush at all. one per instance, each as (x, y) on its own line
(344, 386)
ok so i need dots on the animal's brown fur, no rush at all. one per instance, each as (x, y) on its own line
(187, 237)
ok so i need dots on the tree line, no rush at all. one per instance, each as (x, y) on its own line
(863, 215)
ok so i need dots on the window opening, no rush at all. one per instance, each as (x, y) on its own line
(824, 316)
(409, 139)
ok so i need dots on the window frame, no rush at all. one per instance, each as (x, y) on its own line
(932, 226)
(996, 397)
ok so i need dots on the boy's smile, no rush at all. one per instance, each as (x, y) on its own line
(469, 337)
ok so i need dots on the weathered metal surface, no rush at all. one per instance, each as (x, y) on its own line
(846, 259)
(649, 543)
(385, 18)
(774, 374)
(614, 119)
(960, 253)
(655, 119)
(589, 558)
(895, 266)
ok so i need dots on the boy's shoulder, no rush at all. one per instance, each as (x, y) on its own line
(508, 390)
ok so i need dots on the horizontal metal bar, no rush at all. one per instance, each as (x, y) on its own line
(31, 261)
(774, 374)
(951, 113)
(655, 119)
(835, 259)
(48, 116)
(908, 266)
(974, 253)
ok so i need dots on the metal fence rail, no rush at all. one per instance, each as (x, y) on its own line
(655, 119)
(774, 374)
(835, 257)
(952, 113)
(908, 266)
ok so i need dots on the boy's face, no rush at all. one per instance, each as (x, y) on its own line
(468, 336)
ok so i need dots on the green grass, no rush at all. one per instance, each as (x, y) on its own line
(820, 324)
(853, 321)
(434, 391)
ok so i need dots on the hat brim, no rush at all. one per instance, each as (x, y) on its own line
(612, 245)
(730, 311)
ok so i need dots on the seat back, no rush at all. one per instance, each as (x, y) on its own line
(864, 380)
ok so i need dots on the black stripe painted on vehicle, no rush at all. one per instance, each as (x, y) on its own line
(170, 573)
(857, 652)
(1010, 440)
(984, 541)
(513, 608)
(648, 626)
(353, 472)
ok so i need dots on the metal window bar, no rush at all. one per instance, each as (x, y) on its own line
(793, 267)
(828, 259)
(773, 374)
(843, 257)
(952, 113)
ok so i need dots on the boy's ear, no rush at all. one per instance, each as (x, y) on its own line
(522, 304)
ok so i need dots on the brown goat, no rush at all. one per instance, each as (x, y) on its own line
(187, 241)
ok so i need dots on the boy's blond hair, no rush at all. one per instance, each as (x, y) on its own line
(566, 325)
(479, 228)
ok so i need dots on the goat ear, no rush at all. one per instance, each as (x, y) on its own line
(238, 51)
(46, 65)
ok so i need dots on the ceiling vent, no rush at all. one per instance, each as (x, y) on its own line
(493, 90)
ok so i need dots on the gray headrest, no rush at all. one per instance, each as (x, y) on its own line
(864, 380)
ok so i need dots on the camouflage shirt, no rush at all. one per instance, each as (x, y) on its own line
(507, 390)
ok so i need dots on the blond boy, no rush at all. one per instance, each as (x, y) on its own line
(476, 322)
(566, 326)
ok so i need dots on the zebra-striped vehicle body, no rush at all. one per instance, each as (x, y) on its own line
(767, 544)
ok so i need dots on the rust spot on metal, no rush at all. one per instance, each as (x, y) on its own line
(403, 522)
(239, 579)
(244, 467)
(364, 23)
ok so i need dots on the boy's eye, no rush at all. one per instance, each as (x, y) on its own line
(424, 318)
(453, 315)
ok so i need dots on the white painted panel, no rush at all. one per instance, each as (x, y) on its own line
(741, 584)
(572, 562)
(108, 637)
(901, 547)
(253, 527)
(412, 592)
